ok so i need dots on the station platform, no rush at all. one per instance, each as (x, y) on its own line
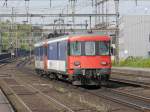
(4, 104)
(132, 70)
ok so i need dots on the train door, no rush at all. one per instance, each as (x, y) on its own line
(45, 56)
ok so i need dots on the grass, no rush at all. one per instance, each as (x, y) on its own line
(134, 62)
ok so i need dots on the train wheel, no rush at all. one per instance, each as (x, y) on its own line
(51, 76)
(99, 85)
(107, 77)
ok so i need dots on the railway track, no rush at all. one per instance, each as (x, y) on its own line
(136, 83)
(29, 98)
(145, 75)
(21, 89)
(26, 90)
(130, 100)
(6, 61)
(25, 100)
(137, 102)
(141, 98)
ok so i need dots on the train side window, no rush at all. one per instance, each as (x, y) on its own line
(41, 52)
(52, 51)
(62, 48)
(45, 51)
(36, 53)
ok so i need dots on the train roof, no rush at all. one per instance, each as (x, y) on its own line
(52, 40)
(89, 37)
(72, 37)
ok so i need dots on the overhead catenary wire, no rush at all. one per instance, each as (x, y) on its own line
(81, 5)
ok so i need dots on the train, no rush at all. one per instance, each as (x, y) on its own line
(4, 57)
(82, 59)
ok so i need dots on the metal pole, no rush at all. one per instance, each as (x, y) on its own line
(106, 13)
(50, 4)
(102, 12)
(90, 23)
(0, 41)
(95, 12)
(117, 32)
(86, 25)
(73, 12)
(0, 38)
(136, 2)
(16, 37)
(11, 33)
(30, 36)
(16, 44)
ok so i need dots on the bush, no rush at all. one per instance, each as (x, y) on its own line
(134, 62)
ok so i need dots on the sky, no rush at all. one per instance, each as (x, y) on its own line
(127, 7)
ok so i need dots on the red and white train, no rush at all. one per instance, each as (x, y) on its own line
(81, 59)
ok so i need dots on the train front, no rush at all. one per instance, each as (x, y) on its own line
(89, 60)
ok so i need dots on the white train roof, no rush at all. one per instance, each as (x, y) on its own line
(39, 44)
(61, 38)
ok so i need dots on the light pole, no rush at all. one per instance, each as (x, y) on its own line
(0, 41)
(117, 32)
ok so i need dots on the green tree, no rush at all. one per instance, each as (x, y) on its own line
(19, 31)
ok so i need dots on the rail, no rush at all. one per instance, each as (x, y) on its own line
(136, 83)
(5, 104)
(121, 98)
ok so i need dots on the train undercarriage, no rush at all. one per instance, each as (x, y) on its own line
(80, 76)
(90, 76)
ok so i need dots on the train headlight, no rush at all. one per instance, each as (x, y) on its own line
(104, 63)
(77, 63)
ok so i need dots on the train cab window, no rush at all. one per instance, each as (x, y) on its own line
(104, 48)
(75, 48)
(90, 48)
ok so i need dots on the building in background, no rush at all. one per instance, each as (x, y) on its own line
(134, 36)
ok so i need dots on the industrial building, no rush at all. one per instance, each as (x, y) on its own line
(134, 36)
